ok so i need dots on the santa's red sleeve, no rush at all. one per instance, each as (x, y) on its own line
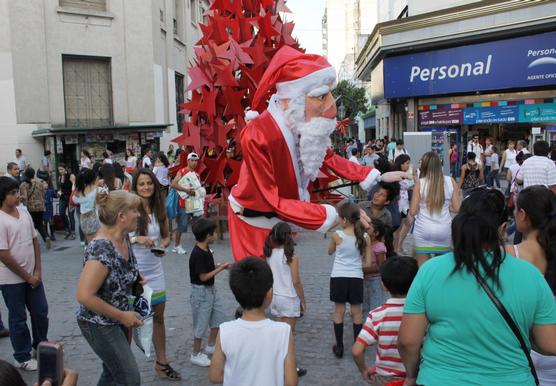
(366, 176)
(303, 214)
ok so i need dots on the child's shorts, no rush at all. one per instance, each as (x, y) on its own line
(206, 308)
(346, 290)
(285, 306)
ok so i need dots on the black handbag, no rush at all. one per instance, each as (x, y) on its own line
(507, 317)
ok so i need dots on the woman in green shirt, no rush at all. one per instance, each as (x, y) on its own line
(451, 333)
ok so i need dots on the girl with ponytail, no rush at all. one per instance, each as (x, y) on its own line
(350, 245)
(535, 217)
(288, 298)
(448, 315)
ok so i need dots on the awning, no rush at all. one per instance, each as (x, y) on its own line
(45, 132)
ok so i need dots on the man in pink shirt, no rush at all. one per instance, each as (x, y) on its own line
(20, 276)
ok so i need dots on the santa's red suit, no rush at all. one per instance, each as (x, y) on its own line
(271, 187)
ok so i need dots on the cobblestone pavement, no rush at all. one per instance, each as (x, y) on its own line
(61, 268)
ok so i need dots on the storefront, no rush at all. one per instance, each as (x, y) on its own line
(505, 89)
(67, 143)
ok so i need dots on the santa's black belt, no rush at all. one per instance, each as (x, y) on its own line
(255, 213)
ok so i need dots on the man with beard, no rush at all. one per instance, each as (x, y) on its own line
(285, 148)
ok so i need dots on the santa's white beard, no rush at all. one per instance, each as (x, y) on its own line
(314, 136)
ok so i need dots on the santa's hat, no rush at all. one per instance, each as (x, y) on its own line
(292, 73)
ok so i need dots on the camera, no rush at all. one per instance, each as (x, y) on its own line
(51, 362)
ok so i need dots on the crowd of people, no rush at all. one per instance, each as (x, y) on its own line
(454, 298)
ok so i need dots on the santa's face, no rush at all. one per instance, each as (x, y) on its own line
(320, 106)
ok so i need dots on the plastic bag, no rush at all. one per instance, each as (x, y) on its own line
(171, 204)
(143, 335)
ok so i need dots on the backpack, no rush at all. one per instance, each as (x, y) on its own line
(471, 179)
(35, 197)
(171, 204)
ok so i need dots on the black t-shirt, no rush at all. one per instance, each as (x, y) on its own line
(200, 261)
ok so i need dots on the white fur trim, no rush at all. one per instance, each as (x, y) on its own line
(371, 179)
(331, 218)
(250, 115)
(302, 86)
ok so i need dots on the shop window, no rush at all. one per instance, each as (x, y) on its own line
(89, 5)
(87, 91)
(180, 98)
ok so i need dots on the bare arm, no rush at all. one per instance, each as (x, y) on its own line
(503, 161)
(509, 176)
(395, 176)
(217, 362)
(297, 281)
(213, 273)
(290, 367)
(410, 339)
(544, 337)
(93, 275)
(414, 205)
(165, 234)
(481, 173)
(462, 176)
(332, 244)
(37, 272)
(456, 197)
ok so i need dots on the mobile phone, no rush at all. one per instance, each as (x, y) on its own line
(158, 250)
(51, 362)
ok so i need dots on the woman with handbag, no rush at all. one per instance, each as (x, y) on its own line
(105, 286)
(152, 231)
(477, 306)
(535, 217)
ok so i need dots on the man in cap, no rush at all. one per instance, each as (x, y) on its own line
(284, 150)
(190, 202)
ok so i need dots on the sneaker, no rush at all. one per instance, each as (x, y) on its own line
(301, 371)
(30, 365)
(209, 349)
(200, 359)
(4, 332)
(179, 250)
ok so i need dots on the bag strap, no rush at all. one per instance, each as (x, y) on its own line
(509, 320)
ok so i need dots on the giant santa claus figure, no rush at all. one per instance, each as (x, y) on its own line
(284, 149)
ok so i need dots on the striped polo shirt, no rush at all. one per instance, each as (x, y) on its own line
(383, 325)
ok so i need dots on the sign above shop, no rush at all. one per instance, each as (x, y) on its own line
(492, 114)
(545, 112)
(441, 117)
(527, 61)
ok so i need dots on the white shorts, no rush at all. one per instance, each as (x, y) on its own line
(285, 306)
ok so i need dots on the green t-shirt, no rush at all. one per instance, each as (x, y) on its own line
(468, 342)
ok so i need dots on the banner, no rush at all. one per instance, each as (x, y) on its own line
(527, 61)
(492, 114)
(441, 117)
(545, 112)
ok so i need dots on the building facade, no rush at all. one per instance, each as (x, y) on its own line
(93, 74)
(463, 67)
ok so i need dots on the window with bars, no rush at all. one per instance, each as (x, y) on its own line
(87, 91)
(180, 98)
(90, 5)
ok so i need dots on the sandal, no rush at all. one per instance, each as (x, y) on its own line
(165, 371)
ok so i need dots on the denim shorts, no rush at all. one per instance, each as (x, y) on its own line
(185, 218)
(207, 309)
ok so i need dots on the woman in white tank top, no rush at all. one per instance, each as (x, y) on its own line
(535, 217)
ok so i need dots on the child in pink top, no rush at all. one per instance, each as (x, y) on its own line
(374, 295)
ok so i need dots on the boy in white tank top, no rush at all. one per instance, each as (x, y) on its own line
(253, 350)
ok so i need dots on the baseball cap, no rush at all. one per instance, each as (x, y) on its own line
(192, 156)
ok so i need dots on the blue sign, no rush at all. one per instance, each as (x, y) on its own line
(492, 114)
(545, 112)
(528, 61)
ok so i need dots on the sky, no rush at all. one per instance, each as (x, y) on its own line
(307, 15)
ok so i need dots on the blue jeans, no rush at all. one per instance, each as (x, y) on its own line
(1, 323)
(69, 218)
(19, 299)
(374, 295)
(81, 234)
(493, 177)
(110, 343)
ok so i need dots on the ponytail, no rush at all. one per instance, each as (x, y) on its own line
(280, 236)
(351, 213)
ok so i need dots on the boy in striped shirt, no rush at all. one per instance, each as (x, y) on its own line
(383, 324)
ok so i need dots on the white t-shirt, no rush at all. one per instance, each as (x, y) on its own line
(16, 235)
(494, 163)
(282, 273)
(476, 148)
(510, 158)
(146, 162)
(354, 159)
(131, 162)
(538, 170)
(514, 170)
(255, 352)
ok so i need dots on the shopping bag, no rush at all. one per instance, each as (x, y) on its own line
(171, 204)
(143, 335)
